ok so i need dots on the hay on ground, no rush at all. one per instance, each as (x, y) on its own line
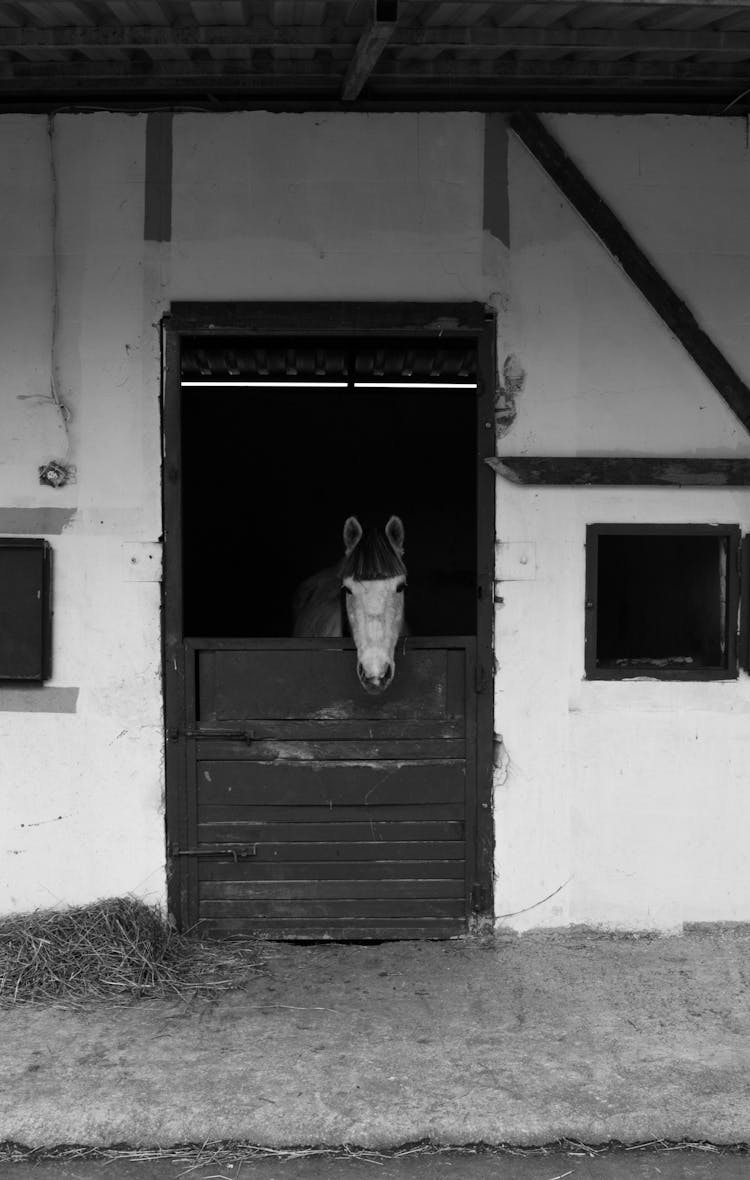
(117, 948)
(229, 1154)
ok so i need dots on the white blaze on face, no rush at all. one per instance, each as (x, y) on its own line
(376, 612)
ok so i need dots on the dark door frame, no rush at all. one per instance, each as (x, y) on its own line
(468, 321)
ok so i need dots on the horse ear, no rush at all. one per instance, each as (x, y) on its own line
(352, 533)
(394, 531)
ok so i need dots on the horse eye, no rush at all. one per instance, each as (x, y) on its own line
(400, 589)
(347, 590)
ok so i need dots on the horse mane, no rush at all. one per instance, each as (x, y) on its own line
(372, 557)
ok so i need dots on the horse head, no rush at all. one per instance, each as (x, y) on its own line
(373, 576)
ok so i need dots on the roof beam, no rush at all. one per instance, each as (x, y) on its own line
(470, 76)
(374, 40)
(474, 74)
(640, 270)
(378, 33)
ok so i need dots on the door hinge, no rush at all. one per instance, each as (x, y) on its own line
(234, 851)
(480, 898)
(480, 678)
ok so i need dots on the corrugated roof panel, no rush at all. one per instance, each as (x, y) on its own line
(299, 12)
(739, 19)
(53, 51)
(39, 14)
(678, 19)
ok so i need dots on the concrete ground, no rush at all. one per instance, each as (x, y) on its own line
(503, 1040)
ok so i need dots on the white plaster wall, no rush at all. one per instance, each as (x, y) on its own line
(82, 792)
(623, 804)
(264, 207)
(604, 374)
(328, 206)
(629, 796)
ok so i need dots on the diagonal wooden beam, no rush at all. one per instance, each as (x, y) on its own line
(371, 44)
(653, 286)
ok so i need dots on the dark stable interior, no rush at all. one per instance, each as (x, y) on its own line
(661, 599)
(270, 475)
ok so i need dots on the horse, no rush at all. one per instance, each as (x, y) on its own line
(366, 588)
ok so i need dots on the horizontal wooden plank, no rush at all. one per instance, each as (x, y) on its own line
(354, 852)
(285, 750)
(313, 729)
(342, 783)
(280, 77)
(614, 471)
(332, 36)
(708, 86)
(329, 907)
(250, 871)
(306, 683)
(340, 929)
(333, 318)
(304, 889)
(346, 833)
(299, 814)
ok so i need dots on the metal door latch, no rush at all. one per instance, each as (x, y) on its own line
(214, 735)
(235, 851)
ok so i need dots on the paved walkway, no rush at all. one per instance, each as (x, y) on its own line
(521, 1041)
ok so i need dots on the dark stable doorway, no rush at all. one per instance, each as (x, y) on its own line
(298, 805)
(270, 474)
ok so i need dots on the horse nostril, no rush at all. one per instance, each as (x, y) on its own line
(374, 684)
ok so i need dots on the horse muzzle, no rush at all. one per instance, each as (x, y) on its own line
(375, 684)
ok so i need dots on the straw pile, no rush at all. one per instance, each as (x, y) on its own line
(117, 948)
(228, 1155)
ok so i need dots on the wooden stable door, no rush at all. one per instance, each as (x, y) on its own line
(317, 811)
(299, 806)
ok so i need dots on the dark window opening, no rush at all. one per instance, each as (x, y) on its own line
(25, 610)
(662, 601)
(282, 440)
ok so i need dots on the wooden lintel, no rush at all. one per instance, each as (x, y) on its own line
(369, 48)
(653, 286)
(605, 471)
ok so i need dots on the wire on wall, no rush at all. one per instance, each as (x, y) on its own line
(58, 472)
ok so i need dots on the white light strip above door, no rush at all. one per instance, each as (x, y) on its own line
(266, 384)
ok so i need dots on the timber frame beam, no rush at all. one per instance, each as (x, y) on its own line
(653, 286)
(378, 34)
(603, 471)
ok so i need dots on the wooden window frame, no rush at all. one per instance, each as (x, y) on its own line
(734, 644)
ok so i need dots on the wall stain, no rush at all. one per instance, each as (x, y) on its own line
(510, 386)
